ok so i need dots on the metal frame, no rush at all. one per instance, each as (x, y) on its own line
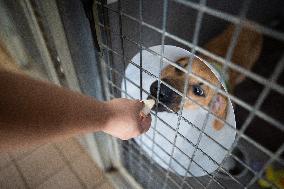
(9, 36)
(40, 41)
(240, 21)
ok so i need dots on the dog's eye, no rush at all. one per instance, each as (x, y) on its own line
(197, 90)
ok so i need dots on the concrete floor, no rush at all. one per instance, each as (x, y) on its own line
(64, 164)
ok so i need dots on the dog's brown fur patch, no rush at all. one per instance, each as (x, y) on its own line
(245, 54)
(199, 69)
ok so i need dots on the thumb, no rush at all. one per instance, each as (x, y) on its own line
(146, 123)
(140, 104)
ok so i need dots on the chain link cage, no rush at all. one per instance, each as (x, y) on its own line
(128, 27)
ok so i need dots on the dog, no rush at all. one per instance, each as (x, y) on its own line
(245, 54)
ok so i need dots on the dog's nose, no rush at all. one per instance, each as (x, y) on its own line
(166, 93)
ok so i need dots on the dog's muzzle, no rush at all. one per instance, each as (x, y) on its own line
(167, 96)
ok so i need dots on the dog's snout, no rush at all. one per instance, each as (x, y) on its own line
(165, 94)
(154, 88)
(167, 97)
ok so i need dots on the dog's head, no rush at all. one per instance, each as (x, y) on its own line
(197, 91)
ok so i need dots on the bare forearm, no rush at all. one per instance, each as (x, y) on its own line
(32, 111)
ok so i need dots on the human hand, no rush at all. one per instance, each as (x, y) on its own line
(125, 121)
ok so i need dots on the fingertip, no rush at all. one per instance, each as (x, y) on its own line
(148, 118)
(141, 103)
(147, 128)
(146, 123)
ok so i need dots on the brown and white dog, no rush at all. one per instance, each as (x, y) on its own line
(246, 53)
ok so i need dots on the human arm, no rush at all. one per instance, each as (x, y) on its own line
(34, 111)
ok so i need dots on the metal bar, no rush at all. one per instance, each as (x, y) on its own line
(117, 72)
(169, 86)
(268, 152)
(193, 125)
(229, 54)
(141, 78)
(121, 44)
(195, 43)
(234, 157)
(245, 105)
(162, 170)
(249, 108)
(166, 162)
(270, 84)
(127, 181)
(174, 160)
(96, 32)
(146, 155)
(140, 48)
(40, 41)
(251, 75)
(230, 18)
(121, 40)
(125, 92)
(233, 98)
(167, 176)
(186, 169)
(236, 33)
(104, 25)
(104, 73)
(61, 44)
(208, 156)
(255, 77)
(164, 24)
(274, 76)
(130, 150)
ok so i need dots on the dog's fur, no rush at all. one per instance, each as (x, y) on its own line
(245, 54)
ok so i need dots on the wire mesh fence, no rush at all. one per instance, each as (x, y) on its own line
(131, 27)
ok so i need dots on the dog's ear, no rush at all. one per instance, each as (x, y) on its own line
(183, 62)
(219, 108)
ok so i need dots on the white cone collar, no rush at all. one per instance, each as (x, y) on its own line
(202, 164)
